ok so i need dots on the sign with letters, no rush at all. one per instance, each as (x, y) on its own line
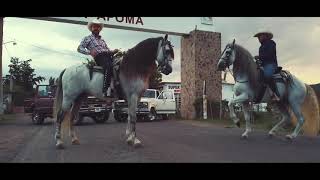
(207, 20)
(164, 25)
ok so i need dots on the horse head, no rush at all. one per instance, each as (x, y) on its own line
(227, 57)
(165, 56)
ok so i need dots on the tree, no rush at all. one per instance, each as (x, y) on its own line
(155, 80)
(24, 79)
(52, 81)
(23, 74)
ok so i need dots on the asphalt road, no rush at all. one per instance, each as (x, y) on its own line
(163, 141)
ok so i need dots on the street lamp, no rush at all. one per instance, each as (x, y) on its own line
(1, 82)
(13, 42)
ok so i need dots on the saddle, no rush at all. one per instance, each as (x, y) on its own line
(280, 75)
(116, 63)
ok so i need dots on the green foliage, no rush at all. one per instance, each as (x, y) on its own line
(23, 74)
(155, 80)
(90, 63)
(24, 79)
(120, 54)
(52, 81)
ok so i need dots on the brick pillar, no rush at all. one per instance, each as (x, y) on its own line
(199, 56)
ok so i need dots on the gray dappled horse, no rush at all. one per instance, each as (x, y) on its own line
(249, 85)
(137, 65)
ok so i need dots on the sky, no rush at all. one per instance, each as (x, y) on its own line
(52, 46)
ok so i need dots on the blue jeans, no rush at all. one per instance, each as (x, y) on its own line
(269, 70)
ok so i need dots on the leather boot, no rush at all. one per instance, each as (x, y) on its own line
(273, 87)
(106, 86)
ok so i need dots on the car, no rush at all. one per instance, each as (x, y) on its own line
(153, 104)
(97, 109)
(41, 106)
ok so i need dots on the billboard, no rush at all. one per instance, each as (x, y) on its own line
(170, 25)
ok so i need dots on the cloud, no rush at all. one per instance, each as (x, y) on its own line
(52, 46)
(297, 41)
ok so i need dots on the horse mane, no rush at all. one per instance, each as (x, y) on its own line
(139, 57)
(244, 64)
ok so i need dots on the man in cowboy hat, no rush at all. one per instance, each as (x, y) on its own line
(95, 46)
(268, 58)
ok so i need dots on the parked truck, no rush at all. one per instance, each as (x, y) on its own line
(40, 106)
(153, 105)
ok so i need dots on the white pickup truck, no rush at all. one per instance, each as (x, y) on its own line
(153, 104)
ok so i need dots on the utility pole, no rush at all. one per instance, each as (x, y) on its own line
(204, 97)
(10, 103)
(1, 83)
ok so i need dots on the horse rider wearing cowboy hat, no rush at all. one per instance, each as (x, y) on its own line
(95, 46)
(268, 58)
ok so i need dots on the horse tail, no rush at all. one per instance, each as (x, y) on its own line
(58, 96)
(65, 125)
(311, 112)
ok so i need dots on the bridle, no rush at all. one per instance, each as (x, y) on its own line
(162, 46)
(228, 64)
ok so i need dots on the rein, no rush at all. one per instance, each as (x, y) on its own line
(228, 67)
(235, 77)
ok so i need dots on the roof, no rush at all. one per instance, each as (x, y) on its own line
(223, 82)
(227, 83)
(170, 83)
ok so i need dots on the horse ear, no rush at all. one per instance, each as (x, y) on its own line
(234, 41)
(166, 37)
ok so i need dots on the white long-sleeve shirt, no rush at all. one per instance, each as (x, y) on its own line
(93, 42)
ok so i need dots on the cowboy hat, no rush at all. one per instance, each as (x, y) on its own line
(268, 33)
(94, 21)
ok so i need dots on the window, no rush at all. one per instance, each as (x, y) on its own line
(173, 87)
(167, 95)
(149, 94)
(43, 91)
(161, 96)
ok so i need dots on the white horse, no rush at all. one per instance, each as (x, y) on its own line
(248, 87)
(138, 64)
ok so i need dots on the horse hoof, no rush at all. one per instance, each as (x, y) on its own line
(60, 146)
(130, 141)
(271, 135)
(244, 137)
(289, 138)
(127, 133)
(137, 143)
(75, 142)
(238, 124)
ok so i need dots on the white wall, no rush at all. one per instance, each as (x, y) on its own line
(227, 91)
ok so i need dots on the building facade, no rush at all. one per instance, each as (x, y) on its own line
(227, 91)
(176, 87)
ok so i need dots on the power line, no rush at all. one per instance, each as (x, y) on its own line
(55, 51)
(47, 49)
